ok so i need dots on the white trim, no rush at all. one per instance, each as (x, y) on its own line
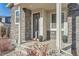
(15, 16)
(33, 12)
(58, 25)
(56, 21)
(53, 29)
(51, 19)
(19, 41)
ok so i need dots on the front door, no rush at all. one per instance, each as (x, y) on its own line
(36, 17)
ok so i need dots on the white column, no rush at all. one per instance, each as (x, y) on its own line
(58, 25)
(41, 24)
(19, 41)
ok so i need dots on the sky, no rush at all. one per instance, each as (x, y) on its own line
(4, 11)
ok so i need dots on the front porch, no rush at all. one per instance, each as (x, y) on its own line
(40, 21)
(34, 22)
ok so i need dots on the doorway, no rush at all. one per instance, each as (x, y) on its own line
(36, 17)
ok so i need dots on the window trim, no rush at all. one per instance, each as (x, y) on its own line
(18, 16)
(0, 19)
(51, 20)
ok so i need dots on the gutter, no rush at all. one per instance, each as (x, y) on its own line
(10, 5)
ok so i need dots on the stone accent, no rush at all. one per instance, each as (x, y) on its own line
(27, 24)
(69, 19)
(22, 26)
(14, 27)
(73, 11)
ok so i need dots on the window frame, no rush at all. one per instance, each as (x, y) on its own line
(0, 19)
(17, 16)
(51, 28)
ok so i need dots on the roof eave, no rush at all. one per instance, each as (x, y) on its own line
(10, 5)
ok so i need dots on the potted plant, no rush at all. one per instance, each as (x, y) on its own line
(40, 38)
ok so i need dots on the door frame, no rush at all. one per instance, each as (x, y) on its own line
(36, 17)
(33, 12)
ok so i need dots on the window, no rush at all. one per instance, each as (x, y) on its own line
(62, 20)
(0, 19)
(17, 16)
(53, 20)
(7, 20)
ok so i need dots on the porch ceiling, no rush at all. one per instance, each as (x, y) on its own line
(64, 5)
(32, 6)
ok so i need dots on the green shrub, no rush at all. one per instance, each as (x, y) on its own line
(2, 31)
(40, 38)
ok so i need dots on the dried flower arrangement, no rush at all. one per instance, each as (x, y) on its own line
(37, 50)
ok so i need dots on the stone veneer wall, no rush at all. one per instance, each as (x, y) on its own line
(14, 27)
(69, 29)
(73, 12)
(25, 24)
(77, 34)
(22, 26)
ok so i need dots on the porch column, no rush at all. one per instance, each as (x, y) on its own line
(19, 41)
(58, 25)
(41, 23)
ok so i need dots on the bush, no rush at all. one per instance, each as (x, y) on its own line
(5, 45)
(2, 31)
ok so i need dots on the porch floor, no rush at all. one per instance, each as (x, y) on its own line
(51, 48)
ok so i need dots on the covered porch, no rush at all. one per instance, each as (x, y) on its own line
(46, 21)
